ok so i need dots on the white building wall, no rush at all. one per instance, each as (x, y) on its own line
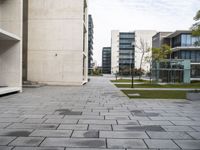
(11, 44)
(114, 51)
(57, 42)
(146, 36)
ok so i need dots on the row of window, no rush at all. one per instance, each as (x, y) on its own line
(185, 40)
(194, 56)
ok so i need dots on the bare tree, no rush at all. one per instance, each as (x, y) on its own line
(144, 49)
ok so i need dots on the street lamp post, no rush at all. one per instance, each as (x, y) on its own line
(132, 66)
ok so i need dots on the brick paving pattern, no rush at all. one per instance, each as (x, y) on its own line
(96, 116)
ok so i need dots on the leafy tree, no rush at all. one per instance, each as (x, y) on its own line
(158, 54)
(161, 53)
(196, 26)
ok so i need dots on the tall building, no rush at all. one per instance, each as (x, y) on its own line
(184, 46)
(126, 50)
(106, 60)
(57, 42)
(90, 43)
(122, 52)
(10, 46)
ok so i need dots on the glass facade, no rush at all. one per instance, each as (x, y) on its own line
(126, 52)
(185, 40)
(106, 60)
(190, 51)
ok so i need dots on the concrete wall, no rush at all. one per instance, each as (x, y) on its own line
(114, 51)
(10, 43)
(57, 42)
(146, 37)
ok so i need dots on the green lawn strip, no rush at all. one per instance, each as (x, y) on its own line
(155, 94)
(192, 85)
(129, 80)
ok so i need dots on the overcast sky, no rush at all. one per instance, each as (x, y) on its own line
(130, 15)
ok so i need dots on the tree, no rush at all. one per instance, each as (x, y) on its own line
(144, 49)
(158, 54)
(161, 53)
(196, 26)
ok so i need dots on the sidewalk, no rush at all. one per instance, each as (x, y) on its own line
(96, 116)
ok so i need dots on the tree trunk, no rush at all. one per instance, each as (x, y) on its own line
(141, 66)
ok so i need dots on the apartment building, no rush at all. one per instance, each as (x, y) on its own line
(90, 43)
(106, 60)
(184, 46)
(57, 42)
(10, 46)
(125, 47)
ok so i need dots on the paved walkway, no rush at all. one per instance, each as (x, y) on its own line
(93, 117)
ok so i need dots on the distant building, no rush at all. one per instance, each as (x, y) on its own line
(184, 46)
(125, 50)
(90, 43)
(106, 60)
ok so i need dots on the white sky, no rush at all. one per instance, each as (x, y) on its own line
(130, 15)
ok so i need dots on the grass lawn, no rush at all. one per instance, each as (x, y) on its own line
(129, 80)
(156, 94)
(148, 85)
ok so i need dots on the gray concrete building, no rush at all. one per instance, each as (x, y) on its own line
(57, 42)
(106, 60)
(90, 43)
(10, 46)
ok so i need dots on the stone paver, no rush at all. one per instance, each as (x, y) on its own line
(96, 116)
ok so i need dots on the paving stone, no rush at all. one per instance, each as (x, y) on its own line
(127, 122)
(27, 141)
(100, 127)
(195, 135)
(3, 125)
(125, 143)
(169, 135)
(197, 128)
(178, 128)
(52, 133)
(122, 134)
(5, 148)
(155, 123)
(33, 126)
(186, 123)
(63, 121)
(168, 144)
(68, 112)
(117, 118)
(33, 116)
(33, 121)
(15, 132)
(91, 149)
(73, 127)
(97, 122)
(138, 128)
(8, 120)
(86, 134)
(6, 140)
(169, 118)
(38, 148)
(75, 142)
(188, 144)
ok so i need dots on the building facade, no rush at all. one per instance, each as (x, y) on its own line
(57, 42)
(10, 46)
(90, 43)
(106, 60)
(184, 46)
(125, 50)
(143, 43)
